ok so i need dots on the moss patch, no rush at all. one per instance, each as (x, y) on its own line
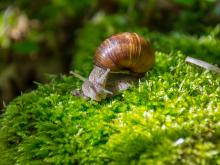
(172, 116)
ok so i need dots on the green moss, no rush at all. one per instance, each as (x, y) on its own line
(171, 117)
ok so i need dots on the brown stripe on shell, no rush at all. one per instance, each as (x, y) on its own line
(137, 52)
(136, 46)
(139, 45)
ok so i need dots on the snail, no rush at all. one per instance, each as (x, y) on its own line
(120, 61)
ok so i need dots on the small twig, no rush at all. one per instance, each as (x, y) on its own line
(203, 64)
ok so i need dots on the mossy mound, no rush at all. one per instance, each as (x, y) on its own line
(171, 117)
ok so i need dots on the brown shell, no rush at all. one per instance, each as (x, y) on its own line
(125, 51)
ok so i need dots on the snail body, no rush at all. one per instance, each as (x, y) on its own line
(119, 62)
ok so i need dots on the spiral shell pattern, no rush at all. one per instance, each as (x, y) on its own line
(125, 51)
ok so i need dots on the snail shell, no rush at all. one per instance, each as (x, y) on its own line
(125, 51)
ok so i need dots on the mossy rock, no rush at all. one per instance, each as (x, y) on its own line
(171, 117)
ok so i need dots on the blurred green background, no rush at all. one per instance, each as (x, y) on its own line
(53, 36)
